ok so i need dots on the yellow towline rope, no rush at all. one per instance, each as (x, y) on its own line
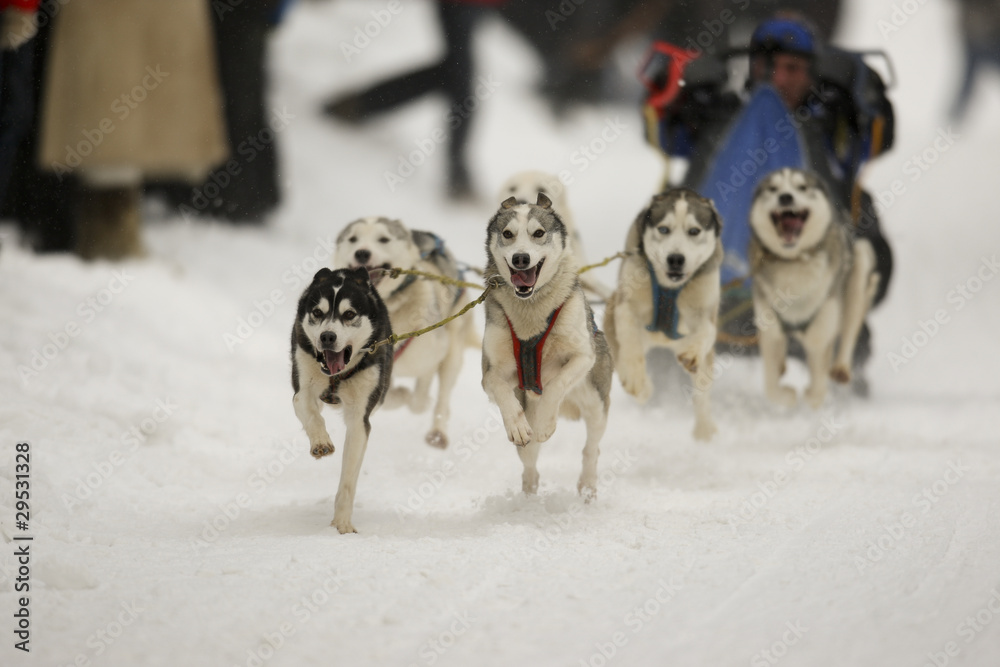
(491, 283)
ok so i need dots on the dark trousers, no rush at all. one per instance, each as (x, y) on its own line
(17, 106)
(451, 75)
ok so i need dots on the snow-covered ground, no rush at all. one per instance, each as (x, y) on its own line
(179, 520)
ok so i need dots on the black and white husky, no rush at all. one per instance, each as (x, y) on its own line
(339, 315)
(543, 355)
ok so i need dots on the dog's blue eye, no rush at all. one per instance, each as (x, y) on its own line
(694, 231)
(539, 233)
(317, 313)
(507, 234)
(663, 230)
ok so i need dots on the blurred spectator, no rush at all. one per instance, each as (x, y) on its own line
(245, 189)
(130, 93)
(18, 25)
(980, 33)
(452, 75)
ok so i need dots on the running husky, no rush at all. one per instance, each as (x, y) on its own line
(668, 296)
(414, 303)
(540, 333)
(339, 314)
(525, 186)
(810, 281)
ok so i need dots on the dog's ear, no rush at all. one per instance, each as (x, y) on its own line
(509, 202)
(716, 218)
(543, 201)
(322, 274)
(359, 274)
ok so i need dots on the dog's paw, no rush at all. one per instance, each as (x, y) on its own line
(529, 482)
(635, 381)
(321, 449)
(815, 396)
(840, 374)
(518, 430)
(704, 429)
(689, 361)
(544, 428)
(343, 525)
(587, 490)
(782, 396)
(437, 439)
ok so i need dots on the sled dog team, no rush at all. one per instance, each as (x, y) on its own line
(544, 355)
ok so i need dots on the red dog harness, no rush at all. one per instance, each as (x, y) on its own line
(528, 354)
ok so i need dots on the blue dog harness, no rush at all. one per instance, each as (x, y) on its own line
(665, 312)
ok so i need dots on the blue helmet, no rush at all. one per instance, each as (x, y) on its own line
(783, 35)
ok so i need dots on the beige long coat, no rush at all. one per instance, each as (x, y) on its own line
(133, 84)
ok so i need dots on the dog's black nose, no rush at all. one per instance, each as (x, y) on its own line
(362, 256)
(786, 199)
(521, 260)
(675, 261)
(327, 339)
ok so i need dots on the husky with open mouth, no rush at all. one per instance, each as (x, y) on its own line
(543, 355)
(668, 296)
(339, 315)
(377, 243)
(525, 186)
(810, 281)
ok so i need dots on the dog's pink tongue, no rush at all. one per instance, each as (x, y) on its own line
(791, 226)
(334, 361)
(524, 278)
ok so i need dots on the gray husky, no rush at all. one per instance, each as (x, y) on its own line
(668, 296)
(543, 354)
(339, 314)
(810, 281)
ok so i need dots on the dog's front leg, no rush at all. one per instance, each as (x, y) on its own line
(699, 360)
(773, 349)
(630, 358)
(501, 392)
(546, 407)
(818, 342)
(355, 444)
(862, 283)
(307, 408)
